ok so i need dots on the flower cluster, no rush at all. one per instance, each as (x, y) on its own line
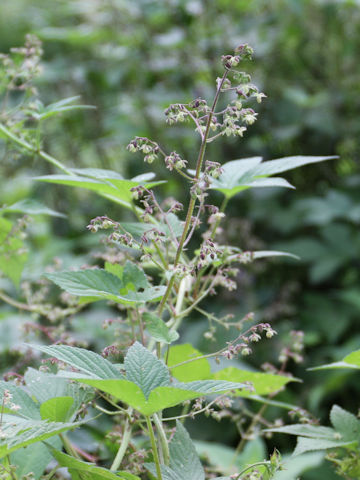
(180, 112)
(295, 348)
(175, 161)
(241, 344)
(149, 148)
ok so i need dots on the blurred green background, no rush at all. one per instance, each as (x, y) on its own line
(131, 59)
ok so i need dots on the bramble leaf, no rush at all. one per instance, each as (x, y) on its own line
(145, 370)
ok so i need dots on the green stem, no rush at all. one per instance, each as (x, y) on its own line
(30, 148)
(257, 464)
(68, 447)
(153, 447)
(192, 202)
(123, 446)
(163, 439)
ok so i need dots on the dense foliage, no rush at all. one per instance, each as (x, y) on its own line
(131, 60)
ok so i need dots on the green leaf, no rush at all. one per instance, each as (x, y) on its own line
(28, 408)
(89, 470)
(310, 431)
(31, 207)
(44, 387)
(196, 370)
(239, 175)
(184, 461)
(137, 229)
(350, 361)
(59, 107)
(57, 409)
(183, 456)
(104, 182)
(293, 467)
(263, 383)
(34, 458)
(145, 370)
(161, 397)
(147, 387)
(272, 253)
(158, 329)
(285, 164)
(316, 444)
(98, 283)
(345, 423)
(226, 460)
(13, 255)
(19, 432)
(84, 360)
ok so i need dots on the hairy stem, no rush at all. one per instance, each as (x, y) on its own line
(192, 202)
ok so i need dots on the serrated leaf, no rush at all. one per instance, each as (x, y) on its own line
(28, 408)
(159, 398)
(158, 329)
(195, 370)
(57, 409)
(20, 433)
(31, 207)
(98, 283)
(147, 387)
(263, 383)
(145, 370)
(183, 456)
(345, 423)
(84, 360)
(89, 470)
(184, 461)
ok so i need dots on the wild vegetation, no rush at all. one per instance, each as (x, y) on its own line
(193, 299)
